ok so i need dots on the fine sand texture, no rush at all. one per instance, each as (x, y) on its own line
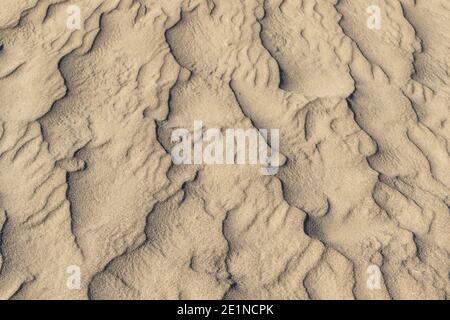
(93, 206)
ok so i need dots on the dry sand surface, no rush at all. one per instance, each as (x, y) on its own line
(93, 205)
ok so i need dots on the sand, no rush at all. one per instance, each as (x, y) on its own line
(92, 205)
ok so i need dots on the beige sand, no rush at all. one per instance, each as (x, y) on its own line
(92, 207)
